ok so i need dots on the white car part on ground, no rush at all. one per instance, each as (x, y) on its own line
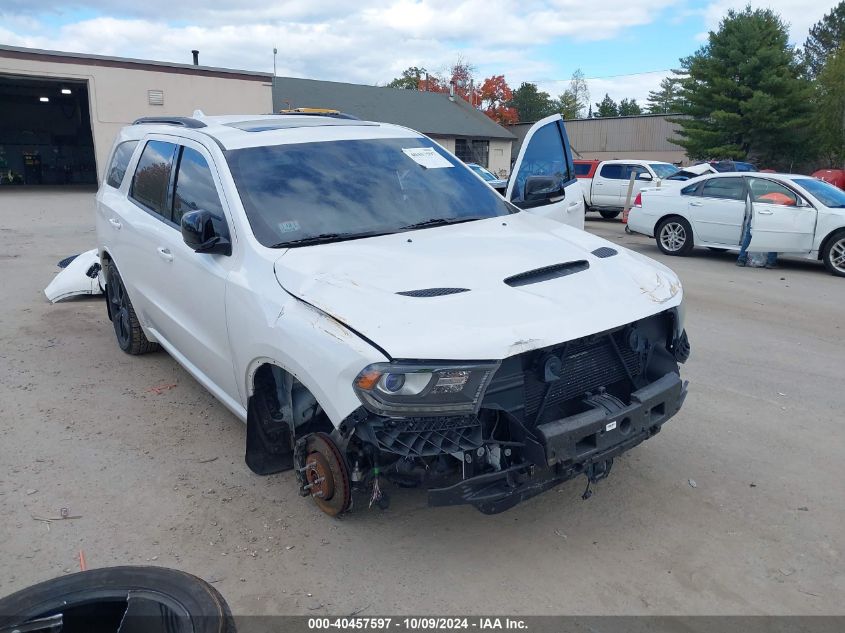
(78, 277)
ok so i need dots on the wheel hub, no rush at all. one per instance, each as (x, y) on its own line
(327, 475)
(837, 255)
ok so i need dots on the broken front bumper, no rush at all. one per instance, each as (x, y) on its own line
(585, 443)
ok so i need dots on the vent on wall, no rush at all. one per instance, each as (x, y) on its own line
(155, 97)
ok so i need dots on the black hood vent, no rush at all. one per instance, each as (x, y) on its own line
(547, 273)
(432, 292)
(605, 251)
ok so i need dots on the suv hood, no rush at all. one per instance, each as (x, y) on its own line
(357, 282)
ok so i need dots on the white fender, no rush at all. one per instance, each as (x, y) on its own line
(73, 280)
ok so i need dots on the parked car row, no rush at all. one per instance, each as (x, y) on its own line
(373, 311)
(794, 214)
(605, 183)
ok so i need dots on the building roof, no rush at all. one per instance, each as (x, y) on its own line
(38, 54)
(427, 112)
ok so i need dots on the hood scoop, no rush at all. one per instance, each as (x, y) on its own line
(547, 273)
(432, 292)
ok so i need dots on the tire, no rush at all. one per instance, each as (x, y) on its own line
(99, 596)
(127, 328)
(674, 236)
(834, 254)
(609, 215)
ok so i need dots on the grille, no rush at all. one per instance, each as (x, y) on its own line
(605, 251)
(547, 273)
(418, 437)
(586, 364)
(432, 292)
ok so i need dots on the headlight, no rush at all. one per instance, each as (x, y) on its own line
(410, 389)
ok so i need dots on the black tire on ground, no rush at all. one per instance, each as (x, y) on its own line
(834, 254)
(98, 592)
(717, 250)
(609, 215)
(674, 236)
(127, 328)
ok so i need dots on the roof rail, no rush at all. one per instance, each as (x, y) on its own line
(182, 121)
(335, 114)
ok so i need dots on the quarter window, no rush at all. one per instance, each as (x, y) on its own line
(152, 177)
(726, 188)
(119, 163)
(195, 187)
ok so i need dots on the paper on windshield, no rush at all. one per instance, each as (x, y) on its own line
(427, 157)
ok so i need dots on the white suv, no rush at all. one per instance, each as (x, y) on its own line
(375, 312)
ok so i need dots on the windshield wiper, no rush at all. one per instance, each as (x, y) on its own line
(325, 238)
(439, 222)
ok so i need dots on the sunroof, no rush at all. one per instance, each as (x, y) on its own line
(286, 122)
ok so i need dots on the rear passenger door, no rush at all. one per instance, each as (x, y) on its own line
(607, 185)
(545, 153)
(719, 210)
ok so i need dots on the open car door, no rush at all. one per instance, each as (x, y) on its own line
(543, 176)
(783, 221)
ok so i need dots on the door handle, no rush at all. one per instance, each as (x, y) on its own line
(115, 223)
(696, 204)
(572, 205)
(165, 254)
(766, 212)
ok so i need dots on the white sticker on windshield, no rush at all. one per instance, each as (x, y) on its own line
(288, 226)
(427, 157)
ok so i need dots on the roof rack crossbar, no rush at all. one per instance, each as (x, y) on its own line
(182, 121)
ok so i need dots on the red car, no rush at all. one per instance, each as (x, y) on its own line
(835, 177)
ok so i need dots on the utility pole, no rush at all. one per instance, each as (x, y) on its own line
(275, 50)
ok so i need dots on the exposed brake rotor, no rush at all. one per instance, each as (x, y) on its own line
(326, 474)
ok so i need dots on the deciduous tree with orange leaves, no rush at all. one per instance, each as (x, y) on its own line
(495, 94)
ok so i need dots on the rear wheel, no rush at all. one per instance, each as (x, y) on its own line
(674, 236)
(609, 215)
(834, 254)
(127, 328)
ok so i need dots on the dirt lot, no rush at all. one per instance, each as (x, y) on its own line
(736, 508)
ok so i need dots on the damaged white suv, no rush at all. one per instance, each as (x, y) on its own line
(376, 313)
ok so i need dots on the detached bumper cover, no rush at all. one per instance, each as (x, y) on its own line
(579, 444)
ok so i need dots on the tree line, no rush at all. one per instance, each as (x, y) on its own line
(747, 94)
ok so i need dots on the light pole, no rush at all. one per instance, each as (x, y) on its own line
(275, 50)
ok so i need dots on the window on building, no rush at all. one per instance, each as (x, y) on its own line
(119, 163)
(473, 151)
(195, 187)
(152, 177)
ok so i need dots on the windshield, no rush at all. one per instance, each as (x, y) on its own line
(342, 189)
(663, 170)
(478, 169)
(824, 192)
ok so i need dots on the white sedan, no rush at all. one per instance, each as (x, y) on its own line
(793, 214)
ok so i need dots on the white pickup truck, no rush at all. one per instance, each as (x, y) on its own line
(605, 183)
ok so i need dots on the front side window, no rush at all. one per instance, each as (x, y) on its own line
(770, 192)
(302, 193)
(725, 188)
(195, 187)
(119, 163)
(545, 155)
(152, 177)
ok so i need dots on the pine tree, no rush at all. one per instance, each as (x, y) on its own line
(606, 108)
(744, 92)
(825, 39)
(629, 107)
(829, 122)
(667, 99)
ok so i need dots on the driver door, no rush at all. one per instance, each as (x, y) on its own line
(783, 222)
(545, 153)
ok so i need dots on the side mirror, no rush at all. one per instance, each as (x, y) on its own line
(206, 233)
(645, 176)
(542, 188)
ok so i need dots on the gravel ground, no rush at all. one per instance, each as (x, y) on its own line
(737, 507)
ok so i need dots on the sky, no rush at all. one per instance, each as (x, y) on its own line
(624, 47)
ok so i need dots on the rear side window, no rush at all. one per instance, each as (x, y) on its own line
(119, 163)
(195, 187)
(612, 171)
(152, 177)
(726, 188)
